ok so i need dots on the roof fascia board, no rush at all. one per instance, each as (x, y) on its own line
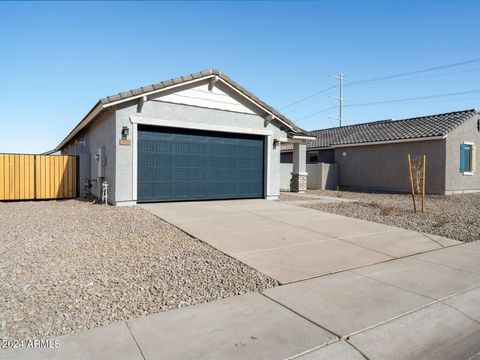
(303, 137)
(441, 137)
(170, 87)
(90, 116)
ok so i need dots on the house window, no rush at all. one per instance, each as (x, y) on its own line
(467, 158)
(286, 158)
(313, 159)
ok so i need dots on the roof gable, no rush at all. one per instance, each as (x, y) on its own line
(203, 95)
(168, 85)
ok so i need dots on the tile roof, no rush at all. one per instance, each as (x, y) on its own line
(390, 130)
(126, 95)
(198, 75)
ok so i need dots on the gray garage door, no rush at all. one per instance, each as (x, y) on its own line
(184, 164)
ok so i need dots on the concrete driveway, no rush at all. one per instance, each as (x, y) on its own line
(292, 243)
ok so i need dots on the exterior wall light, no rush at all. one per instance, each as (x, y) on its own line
(276, 142)
(125, 132)
(124, 140)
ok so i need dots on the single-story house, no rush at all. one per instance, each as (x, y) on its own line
(373, 156)
(196, 137)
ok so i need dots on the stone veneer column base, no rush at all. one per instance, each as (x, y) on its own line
(298, 182)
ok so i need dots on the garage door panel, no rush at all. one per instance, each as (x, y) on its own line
(162, 190)
(160, 160)
(229, 150)
(146, 145)
(183, 164)
(213, 162)
(148, 175)
(162, 174)
(213, 187)
(228, 163)
(197, 161)
(197, 175)
(212, 174)
(228, 175)
(181, 189)
(145, 160)
(200, 189)
(181, 161)
(181, 175)
(182, 148)
(146, 191)
(244, 175)
(197, 148)
(162, 147)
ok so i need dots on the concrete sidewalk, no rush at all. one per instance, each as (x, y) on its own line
(421, 307)
(292, 243)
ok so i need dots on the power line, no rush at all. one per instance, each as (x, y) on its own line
(315, 113)
(423, 99)
(414, 72)
(435, 75)
(386, 78)
(309, 97)
(415, 98)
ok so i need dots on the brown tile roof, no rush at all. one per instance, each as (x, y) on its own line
(390, 130)
(126, 95)
(198, 75)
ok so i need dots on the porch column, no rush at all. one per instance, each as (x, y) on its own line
(298, 182)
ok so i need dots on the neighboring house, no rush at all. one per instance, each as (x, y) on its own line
(373, 156)
(200, 136)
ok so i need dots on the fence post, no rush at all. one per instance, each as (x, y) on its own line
(34, 177)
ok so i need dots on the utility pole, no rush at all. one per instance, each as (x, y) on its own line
(340, 78)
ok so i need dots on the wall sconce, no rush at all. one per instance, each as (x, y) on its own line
(124, 140)
(125, 132)
(276, 142)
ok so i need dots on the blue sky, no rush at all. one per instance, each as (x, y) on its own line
(57, 59)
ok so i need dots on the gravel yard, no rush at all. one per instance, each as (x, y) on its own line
(454, 216)
(70, 265)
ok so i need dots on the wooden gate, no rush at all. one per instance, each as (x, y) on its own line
(29, 177)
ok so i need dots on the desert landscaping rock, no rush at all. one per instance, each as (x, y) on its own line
(70, 265)
(453, 216)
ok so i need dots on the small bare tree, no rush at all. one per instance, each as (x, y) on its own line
(416, 169)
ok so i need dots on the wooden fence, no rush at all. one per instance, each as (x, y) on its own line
(29, 177)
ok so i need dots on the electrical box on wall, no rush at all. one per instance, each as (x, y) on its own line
(101, 162)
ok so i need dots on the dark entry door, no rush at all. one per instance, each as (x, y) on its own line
(185, 164)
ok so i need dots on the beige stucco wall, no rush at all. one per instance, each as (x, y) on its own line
(320, 176)
(384, 167)
(455, 181)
